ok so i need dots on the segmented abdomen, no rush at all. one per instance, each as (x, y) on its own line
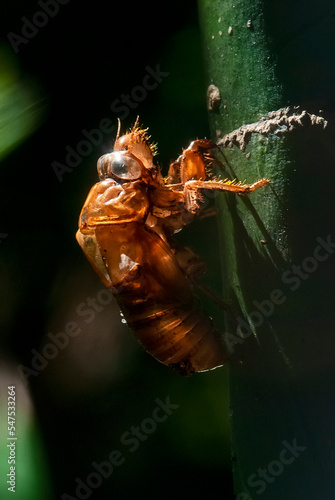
(157, 301)
(178, 335)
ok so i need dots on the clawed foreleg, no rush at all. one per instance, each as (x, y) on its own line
(226, 185)
(192, 190)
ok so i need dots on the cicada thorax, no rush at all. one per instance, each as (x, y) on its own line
(157, 299)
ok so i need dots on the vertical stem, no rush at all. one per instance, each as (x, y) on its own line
(277, 245)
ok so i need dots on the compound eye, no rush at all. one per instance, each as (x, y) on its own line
(119, 165)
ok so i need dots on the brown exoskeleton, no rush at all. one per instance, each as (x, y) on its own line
(125, 230)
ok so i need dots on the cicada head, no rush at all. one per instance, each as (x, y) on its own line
(138, 144)
(132, 158)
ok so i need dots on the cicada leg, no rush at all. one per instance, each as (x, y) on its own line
(192, 164)
(194, 267)
(192, 188)
(227, 185)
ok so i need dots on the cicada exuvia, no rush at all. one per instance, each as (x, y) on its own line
(125, 230)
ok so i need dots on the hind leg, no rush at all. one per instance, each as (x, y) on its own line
(193, 267)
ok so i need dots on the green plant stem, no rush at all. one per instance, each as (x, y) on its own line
(277, 245)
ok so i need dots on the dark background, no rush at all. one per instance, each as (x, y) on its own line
(99, 386)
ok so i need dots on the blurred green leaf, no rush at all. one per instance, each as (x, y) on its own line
(21, 107)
